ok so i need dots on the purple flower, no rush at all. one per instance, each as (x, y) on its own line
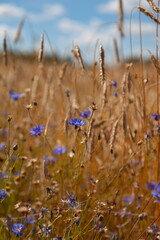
(116, 94)
(15, 96)
(30, 220)
(2, 194)
(155, 116)
(71, 201)
(48, 159)
(156, 192)
(37, 130)
(18, 228)
(135, 162)
(114, 84)
(128, 199)
(2, 146)
(85, 114)
(150, 185)
(46, 230)
(58, 150)
(76, 122)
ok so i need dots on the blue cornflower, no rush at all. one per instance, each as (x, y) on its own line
(114, 84)
(2, 146)
(46, 230)
(113, 236)
(2, 194)
(116, 94)
(155, 116)
(76, 122)
(37, 130)
(128, 199)
(71, 201)
(58, 150)
(150, 185)
(85, 114)
(15, 96)
(48, 159)
(18, 228)
(135, 162)
(156, 192)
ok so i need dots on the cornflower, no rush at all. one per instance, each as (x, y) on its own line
(37, 130)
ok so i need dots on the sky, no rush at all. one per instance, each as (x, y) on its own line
(64, 23)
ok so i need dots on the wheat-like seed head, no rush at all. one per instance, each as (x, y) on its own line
(154, 7)
(41, 50)
(101, 63)
(149, 14)
(116, 50)
(19, 30)
(121, 17)
(155, 62)
(5, 55)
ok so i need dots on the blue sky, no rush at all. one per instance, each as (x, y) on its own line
(85, 22)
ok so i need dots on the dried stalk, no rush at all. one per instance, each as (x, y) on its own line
(124, 92)
(78, 56)
(116, 50)
(5, 53)
(121, 18)
(19, 30)
(154, 61)
(113, 135)
(101, 63)
(41, 50)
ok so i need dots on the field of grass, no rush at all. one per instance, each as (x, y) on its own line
(79, 149)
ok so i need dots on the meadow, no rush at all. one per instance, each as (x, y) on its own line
(80, 146)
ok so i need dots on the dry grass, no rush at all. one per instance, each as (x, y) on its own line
(96, 188)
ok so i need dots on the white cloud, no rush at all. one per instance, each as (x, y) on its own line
(111, 6)
(49, 12)
(11, 11)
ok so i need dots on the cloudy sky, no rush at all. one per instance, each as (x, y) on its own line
(84, 22)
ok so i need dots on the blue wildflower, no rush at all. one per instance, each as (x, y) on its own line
(113, 236)
(46, 230)
(116, 94)
(71, 201)
(48, 159)
(128, 199)
(155, 116)
(2, 146)
(3, 132)
(14, 96)
(114, 84)
(2, 194)
(85, 114)
(135, 162)
(58, 150)
(30, 220)
(150, 185)
(18, 228)
(153, 230)
(76, 122)
(156, 192)
(37, 130)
